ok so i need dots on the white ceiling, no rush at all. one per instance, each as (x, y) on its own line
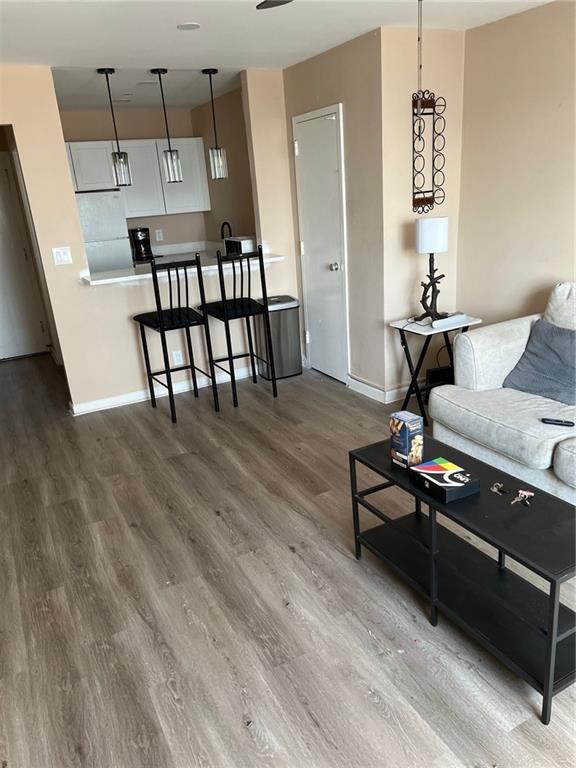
(83, 88)
(134, 36)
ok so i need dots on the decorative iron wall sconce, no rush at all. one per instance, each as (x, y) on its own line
(428, 141)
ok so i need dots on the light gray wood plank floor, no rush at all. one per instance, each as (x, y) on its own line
(179, 596)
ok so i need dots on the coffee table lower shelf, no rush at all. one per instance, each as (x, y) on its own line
(501, 610)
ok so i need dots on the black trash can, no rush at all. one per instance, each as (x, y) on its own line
(285, 329)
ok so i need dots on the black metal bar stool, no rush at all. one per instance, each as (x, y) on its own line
(178, 316)
(242, 307)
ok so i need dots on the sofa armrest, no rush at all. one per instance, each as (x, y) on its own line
(483, 357)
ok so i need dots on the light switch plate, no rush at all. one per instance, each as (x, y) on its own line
(159, 235)
(177, 357)
(62, 255)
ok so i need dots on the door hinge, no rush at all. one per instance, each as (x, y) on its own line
(42, 326)
(296, 148)
(307, 335)
(301, 247)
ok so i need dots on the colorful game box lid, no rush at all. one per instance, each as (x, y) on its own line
(444, 479)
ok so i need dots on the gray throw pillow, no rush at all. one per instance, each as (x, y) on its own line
(548, 365)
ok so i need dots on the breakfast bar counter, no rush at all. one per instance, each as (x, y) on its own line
(143, 271)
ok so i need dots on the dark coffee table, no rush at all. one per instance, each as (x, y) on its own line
(530, 631)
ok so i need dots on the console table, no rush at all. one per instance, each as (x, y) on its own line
(530, 631)
(427, 332)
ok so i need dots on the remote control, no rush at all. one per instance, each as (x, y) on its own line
(558, 422)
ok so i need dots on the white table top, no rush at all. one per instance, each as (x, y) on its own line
(424, 327)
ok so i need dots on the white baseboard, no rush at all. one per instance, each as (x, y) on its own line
(376, 393)
(140, 395)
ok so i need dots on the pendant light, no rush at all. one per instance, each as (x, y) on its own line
(428, 141)
(218, 162)
(172, 166)
(120, 161)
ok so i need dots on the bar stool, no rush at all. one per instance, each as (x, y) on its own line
(242, 307)
(178, 316)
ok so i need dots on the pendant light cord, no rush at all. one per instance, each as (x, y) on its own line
(213, 113)
(112, 112)
(165, 114)
(419, 45)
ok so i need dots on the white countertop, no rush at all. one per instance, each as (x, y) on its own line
(144, 272)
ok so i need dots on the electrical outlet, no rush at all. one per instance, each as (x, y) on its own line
(62, 255)
(177, 357)
(159, 235)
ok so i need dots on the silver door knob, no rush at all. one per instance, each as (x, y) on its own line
(334, 267)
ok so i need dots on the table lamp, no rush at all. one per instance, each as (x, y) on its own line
(431, 238)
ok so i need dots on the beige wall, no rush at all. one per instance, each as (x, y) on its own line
(351, 74)
(28, 103)
(268, 152)
(517, 206)
(232, 197)
(99, 340)
(404, 269)
(373, 77)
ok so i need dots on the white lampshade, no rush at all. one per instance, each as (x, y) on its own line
(432, 235)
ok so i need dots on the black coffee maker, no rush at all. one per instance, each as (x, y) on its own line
(140, 242)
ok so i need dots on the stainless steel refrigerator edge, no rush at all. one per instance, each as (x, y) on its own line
(103, 220)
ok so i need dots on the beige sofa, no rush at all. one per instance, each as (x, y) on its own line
(502, 426)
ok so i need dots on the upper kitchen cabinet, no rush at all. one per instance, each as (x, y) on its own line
(71, 166)
(92, 165)
(191, 194)
(144, 197)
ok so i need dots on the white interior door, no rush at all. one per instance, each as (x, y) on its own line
(23, 330)
(321, 213)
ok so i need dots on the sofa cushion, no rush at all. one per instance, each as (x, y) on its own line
(565, 461)
(561, 307)
(548, 365)
(505, 420)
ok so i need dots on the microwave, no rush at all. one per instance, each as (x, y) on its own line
(245, 244)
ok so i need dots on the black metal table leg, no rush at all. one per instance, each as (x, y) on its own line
(418, 507)
(548, 693)
(449, 348)
(355, 515)
(433, 568)
(501, 559)
(414, 373)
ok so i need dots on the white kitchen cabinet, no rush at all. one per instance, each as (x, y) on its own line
(71, 166)
(191, 194)
(144, 197)
(92, 163)
(149, 193)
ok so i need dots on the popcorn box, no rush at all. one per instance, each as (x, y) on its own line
(406, 438)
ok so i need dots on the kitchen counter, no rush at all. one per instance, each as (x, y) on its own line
(144, 271)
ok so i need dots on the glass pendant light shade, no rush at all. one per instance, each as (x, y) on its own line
(121, 166)
(218, 163)
(172, 166)
(120, 163)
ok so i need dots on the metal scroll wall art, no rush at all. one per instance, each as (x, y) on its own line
(428, 141)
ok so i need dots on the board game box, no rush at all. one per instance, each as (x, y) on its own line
(444, 480)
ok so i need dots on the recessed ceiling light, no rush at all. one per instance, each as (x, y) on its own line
(147, 82)
(188, 25)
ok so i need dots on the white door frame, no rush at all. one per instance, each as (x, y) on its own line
(337, 110)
